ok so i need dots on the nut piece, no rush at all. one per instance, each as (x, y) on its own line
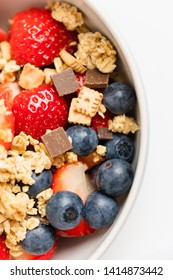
(31, 77)
(48, 72)
(72, 62)
(123, 124)
(5, 50)
(59, 64)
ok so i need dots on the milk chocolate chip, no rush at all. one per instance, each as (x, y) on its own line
(65, 82)
(96, 79)
(56, 142)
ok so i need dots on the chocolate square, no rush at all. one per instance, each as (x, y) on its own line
(65, 82)
(104, 133)
(96, 79)
(56, 142)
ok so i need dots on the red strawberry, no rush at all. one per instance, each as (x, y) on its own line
(46, 256)
(81, 80)
(39, 109)
(98, 121)
(4, 251)
(82, 229)
(37, 38)
(6, 125)
(72, 177)
(3, 35)
(7, 92)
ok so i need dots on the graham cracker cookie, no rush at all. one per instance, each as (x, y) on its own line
(72, 62)
(88, 102)
(77, 117)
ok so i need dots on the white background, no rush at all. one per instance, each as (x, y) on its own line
(147, 27)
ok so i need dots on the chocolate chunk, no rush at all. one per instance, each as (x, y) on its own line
(96, 79)
(65, 82)
(56, 142)
(104, 133)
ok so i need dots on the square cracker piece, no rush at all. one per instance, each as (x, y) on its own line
(88, 102)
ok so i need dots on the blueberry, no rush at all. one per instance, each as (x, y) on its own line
(121, 146)
(64, 210)
(115, 177)
(39, 240)
(100, 210)
(119, 98)
(43, 181)
(84, 139)
(93, 174)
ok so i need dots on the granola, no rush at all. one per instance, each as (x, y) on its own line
(68, 14)
(123, 124)
(95, 51)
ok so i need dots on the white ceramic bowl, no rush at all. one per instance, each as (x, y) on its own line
(93, 246)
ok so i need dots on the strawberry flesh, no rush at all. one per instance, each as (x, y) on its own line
(4, 251)
(80, 230)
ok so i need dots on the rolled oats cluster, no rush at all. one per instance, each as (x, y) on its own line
(95, 51)
(67, 14)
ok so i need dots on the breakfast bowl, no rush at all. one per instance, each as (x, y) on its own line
(93, 245)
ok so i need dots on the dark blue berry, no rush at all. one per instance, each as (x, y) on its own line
(100, 210)
(64, 210)
(119, 98)
(43, 181)
(115, 177)
(84, 139)
(39, 240)
(121, 146)
(93, 174)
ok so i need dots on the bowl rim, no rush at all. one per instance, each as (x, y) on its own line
(144, 136)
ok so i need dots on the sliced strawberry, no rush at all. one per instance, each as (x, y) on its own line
(80, 230)
(7, 122)
(37, 38)
(4, 251)
(39, 109)
(72, 177)
(98, 121)
(8, 91)
(3, 35)
(46, 256)
(81, 80)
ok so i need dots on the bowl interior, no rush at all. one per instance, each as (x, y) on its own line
(91, 247)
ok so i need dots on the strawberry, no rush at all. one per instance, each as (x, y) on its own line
(81, 80)
(35, 37)
(39, 109)
(98, 121)
(7, 123)
(72, 177)
(4, 251)
(7, 92)
(46, 256)
(3, 35)
(80, 230)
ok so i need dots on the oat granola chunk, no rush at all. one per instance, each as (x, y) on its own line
(123, 124)
(96, 51)
(68, 14)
